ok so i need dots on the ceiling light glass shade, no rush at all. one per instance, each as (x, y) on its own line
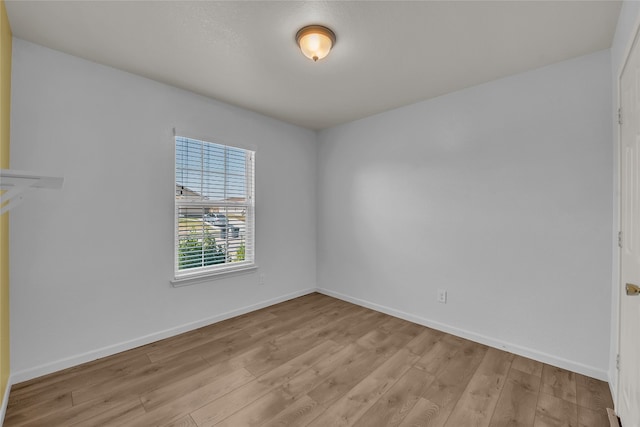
(315, 41)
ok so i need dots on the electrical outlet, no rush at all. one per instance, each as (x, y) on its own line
(442, 296)
(261, 279)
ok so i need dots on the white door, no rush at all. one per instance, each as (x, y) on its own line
(628, 405)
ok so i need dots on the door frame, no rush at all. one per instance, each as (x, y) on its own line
(617, 293)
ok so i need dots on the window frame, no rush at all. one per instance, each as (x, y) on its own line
(211, 272)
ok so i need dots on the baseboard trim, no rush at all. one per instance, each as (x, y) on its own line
(482, 339)
(614, 421)
(27, 374)
(5, 400)
(613, 385)
(69, 362)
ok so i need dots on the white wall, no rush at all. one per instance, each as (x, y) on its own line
(500, 194)
(91, 264)
(625, 33)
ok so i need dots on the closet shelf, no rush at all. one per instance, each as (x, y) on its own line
(15, 184)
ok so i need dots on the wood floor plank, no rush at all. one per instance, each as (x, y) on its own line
(189, 402)
(234, 401)
(304, 303)
(285, 324)
(553, 411)
(329, 382)
(328, 322)
(592, 393)
(186, 421)
(517, 403)
(225, 348)
(347, 410)
(410, 329)
(451, 381)
(528, 366)
(559, 382)
(73, 379)
(282, 350)
(23, 411)
(246, 322)
(196, 340)
(341, 380)
(338, 330)
(117, 416)
(396, 403)
(112, 364)
(392, 325)
(385, 344)
(496, 362)
(478, 401)
(424, 413)
(435, 357)
(306, 380)
(313, 360)
(268, 333)
(154, 376)
(592, 417)
(324, 352)
(75, 415)
(425, 341)
(221, 408)
(242, 358)
(299, 413)
(210, 382)
(355, 329)
(259, 411)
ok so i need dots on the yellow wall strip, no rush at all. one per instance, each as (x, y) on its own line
(5, 106)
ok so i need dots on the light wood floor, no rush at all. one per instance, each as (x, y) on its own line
(314, 361)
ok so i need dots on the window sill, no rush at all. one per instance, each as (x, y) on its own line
(213, 275)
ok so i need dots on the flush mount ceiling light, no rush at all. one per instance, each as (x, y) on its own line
(315, 41)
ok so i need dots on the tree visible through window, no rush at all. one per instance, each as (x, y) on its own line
(214, 205)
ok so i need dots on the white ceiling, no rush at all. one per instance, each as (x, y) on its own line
(388, 54)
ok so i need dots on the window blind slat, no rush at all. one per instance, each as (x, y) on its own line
(214, 206)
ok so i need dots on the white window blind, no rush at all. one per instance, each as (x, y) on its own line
(214, 205)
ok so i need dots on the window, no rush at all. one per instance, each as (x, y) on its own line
(214, 208)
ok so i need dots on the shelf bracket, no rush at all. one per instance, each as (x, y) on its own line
(16, 184)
